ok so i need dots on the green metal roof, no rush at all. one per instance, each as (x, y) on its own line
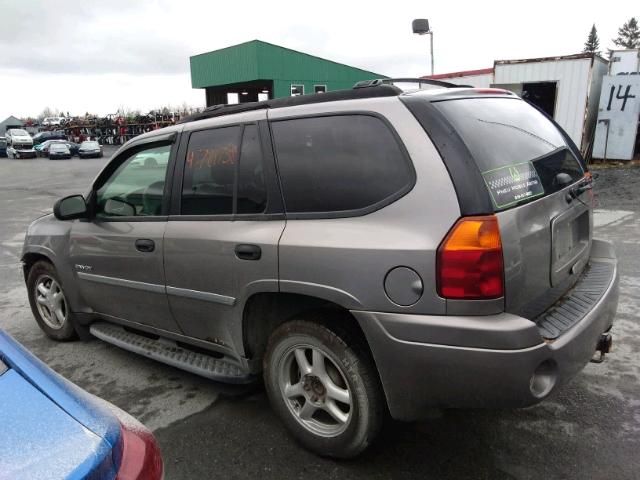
(258, 60)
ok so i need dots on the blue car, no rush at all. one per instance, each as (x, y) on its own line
(52, 429)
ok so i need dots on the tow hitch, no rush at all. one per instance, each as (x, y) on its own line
(604, 346)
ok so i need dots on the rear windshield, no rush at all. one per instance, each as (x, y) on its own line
(518, 151)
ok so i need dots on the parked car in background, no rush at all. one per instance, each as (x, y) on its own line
(51, 428)
(58, 151)
(41, 137)
(3, 147)
(19, 143)
(90, 148)
(43, 149)
(364, 251)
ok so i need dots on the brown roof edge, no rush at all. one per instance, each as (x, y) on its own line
(576, 56)
(464, 73)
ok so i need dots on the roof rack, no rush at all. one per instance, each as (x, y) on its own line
(391, 81)
(383, 90)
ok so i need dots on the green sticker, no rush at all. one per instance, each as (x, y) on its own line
(511, 184)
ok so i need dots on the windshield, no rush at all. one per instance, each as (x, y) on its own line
(518, 151)
(58, 147)
(18, 132)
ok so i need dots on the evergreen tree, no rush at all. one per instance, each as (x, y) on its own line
(593, 42)
(628, 35)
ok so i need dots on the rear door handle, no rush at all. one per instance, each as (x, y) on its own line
(248, 252)
(145, 245)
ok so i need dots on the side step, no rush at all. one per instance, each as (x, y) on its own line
(166, 351)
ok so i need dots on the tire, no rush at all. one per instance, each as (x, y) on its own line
(335, 358)
(51, 310)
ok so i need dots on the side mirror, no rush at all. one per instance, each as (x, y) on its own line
(119, 208)
(70, 207)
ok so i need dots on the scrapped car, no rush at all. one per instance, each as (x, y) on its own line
(53, 121)
(365, 251)
(3, 147)
(19, 143)
(42, 137)
(90, 149)
(58, 150)
(53, 429)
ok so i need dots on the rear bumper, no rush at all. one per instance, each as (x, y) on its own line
(495, 361)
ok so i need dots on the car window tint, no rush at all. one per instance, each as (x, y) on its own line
(209, 172)
(252, 196)
(338, 163)
(139, 182)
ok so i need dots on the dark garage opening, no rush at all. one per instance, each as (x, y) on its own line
(241, 92)
(542, 94)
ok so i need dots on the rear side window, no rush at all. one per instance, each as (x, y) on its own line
(210, 172)
(223, 172)
(518, 151)
(339, 164)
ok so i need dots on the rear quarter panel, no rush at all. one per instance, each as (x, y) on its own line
(345, 260)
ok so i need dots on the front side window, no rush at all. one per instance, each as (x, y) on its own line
(136, 188)
(339, 163)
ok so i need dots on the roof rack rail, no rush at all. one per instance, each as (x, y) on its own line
(384, 90)
(391, 81)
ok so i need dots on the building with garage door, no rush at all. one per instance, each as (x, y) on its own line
(566, 87)
(10, 122)
(258, 70)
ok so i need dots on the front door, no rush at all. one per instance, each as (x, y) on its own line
(117, 255)
(221, 242)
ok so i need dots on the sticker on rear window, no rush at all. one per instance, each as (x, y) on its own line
(511, 184)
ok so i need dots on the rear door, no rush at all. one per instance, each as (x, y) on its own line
(533, 178)
(221, 242)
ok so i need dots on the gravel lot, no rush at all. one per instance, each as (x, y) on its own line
(589, 429)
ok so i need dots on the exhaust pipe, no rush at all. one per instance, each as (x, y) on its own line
(605, 343)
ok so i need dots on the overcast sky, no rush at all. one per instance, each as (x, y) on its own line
(97, 56)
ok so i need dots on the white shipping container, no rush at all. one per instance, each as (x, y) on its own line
(618, 117)
(624, 62)
(567, 88)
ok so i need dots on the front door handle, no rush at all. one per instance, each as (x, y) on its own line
(145, 245)
(248, 252)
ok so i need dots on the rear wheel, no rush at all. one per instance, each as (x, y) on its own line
(324, 387)
(49, 303)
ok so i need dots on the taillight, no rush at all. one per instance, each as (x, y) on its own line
(140, 455)
(470, 260)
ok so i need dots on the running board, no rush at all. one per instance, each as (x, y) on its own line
(166, 351)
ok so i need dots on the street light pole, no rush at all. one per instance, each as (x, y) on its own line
(431, 42)
(421, 27)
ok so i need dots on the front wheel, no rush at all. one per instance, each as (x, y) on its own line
(49, 303)
(324, 386)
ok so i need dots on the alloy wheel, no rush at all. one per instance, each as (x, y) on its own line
(51, 303)
(315, 389)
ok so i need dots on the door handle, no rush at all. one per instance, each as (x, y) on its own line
(145, 245)
(248, 252)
